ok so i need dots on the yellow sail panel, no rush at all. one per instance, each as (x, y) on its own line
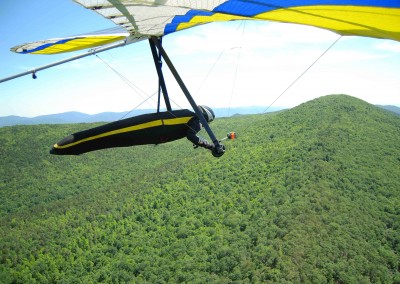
(61, 45)
(374, 22)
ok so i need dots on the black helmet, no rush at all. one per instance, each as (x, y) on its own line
(207, 112)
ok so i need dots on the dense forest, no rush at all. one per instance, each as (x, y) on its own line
(306, 195)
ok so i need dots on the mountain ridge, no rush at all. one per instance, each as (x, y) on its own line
(79, 117)
(305, 195)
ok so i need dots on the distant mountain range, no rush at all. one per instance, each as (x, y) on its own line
(78, 117)
(394, 109)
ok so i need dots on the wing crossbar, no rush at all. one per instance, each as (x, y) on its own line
(35, 70)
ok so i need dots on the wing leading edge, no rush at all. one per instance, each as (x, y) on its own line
(142, 19)
(68, 44)
(371, 18)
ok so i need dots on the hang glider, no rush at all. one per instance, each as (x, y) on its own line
(142, 19)
(153, 19)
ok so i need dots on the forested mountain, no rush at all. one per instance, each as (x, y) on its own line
(309, 194)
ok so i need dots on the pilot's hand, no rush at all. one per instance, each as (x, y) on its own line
(218, 151)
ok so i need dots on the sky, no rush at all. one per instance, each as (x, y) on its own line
(223, 65)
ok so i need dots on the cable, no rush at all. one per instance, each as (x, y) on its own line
(298, 78)
(125, 115)
(126, 80)
(242, 23)
(237, 66)
(209, 72)
(302, 74)
(134, 87)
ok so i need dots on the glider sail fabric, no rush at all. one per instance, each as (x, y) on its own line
(142, 19)
(154, 128)
(68, 44)
(372, 18)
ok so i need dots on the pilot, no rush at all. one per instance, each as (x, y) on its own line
(195, 126)
(153, 128)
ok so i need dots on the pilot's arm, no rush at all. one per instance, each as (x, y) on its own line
(194, 126)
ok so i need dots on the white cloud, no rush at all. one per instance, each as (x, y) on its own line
(387, 45)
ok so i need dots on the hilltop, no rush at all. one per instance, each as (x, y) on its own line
(308, 194)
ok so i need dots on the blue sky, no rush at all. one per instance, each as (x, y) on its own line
(223, 65)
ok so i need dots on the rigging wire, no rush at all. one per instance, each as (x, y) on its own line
(242, 23)
(234, 80)
(303, 73)
(211, 69)
(155, 93)
(237, 65)
(136, 107)
(135, 88)
(299, 77)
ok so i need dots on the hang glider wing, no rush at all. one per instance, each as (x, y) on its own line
(144, 18)
(69, 44)
(372, 18)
